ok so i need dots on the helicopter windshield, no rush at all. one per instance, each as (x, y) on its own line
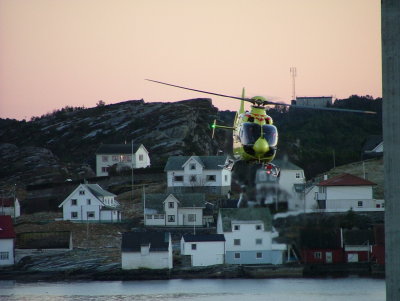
(270, 134)
(249, 133)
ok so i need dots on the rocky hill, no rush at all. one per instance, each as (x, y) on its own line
(62, 144)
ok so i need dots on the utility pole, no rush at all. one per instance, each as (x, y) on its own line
(390, 16)
(293, 71)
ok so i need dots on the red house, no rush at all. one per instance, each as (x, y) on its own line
(321, 246)
(378, 249)
(358, 245)
(7, 240)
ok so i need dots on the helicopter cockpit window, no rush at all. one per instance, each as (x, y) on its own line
(249, 133)
(270, 134)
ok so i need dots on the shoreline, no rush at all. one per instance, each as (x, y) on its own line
(212, 272)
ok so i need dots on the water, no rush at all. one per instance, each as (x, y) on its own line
(349, 289)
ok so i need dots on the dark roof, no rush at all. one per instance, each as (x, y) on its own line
(245, 214)
(117, 148)
(203, 237)
(6, 202)
(155, 200)
(44, 240)
(371, 142)
(358, 237)
(208, 162)
(132, 241)
(98, 191)
(346, 180)
(285, 164)
(6, 227)
(316, 238)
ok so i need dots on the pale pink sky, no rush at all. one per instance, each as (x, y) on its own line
(56, 53)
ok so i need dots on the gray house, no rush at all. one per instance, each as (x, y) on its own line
(198, 174)
(174, 209)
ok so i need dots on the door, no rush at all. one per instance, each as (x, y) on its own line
(329, 257)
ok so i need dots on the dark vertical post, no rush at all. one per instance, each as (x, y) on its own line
(391, 136)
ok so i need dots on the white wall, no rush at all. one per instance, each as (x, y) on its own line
(137, 163)
(206, 253)
(7, 246)
(153, 260)
(349, 192)
(247, 235)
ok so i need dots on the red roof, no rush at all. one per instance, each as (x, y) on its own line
(6, 202)
(346, 180)
(6, 227)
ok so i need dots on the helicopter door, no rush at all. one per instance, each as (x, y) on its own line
(249, 133)
(270, 134)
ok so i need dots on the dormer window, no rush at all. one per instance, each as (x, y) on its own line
(192, 166)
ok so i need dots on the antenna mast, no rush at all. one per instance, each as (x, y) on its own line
(293, 71)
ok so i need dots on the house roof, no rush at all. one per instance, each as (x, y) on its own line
(155, 200)
(245, 215)
(202, 237)
(6, 227)
(358, 237)
(132, 241)
(118, 148)
(371, 142)
(44, 240)
(6, 202)
(346, 180)
(208, 162)
(98, 191)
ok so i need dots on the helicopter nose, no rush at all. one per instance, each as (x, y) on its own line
(261, 146)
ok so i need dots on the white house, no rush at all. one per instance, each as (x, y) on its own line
(90, 202)
(174, 209)
(249, 236)
(203, 249)
(314, 101)
(10, 206)
(287, 188)
(345, 192)
(198, 173)
(150, 250)
(7, 241)
(122, 155)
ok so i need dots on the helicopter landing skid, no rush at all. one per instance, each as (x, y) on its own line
(272, 169)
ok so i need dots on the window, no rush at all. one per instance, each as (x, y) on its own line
(178, 178)
(158, 216)
(74, 214)
(90, 214)
(129, 158)
(298, 175)
(360, 203)
(258, 227)
(115, 158)
(192, 166)
(211, 178)
(259, 255)
(236, 242)
(236, 227)
(192, 218)
(194, 246)
(193, 178)
(170, 204)
(104, 169)
(149, 216)
(140, 157)
(237, 255)
(258, 241)
(104, 158)
(317, 255)
(74, 202)
(226, 178)
(81, 192)
(171, 218)
(88, 201)
(4, 255)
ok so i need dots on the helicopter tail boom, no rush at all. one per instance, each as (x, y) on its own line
(214, 126)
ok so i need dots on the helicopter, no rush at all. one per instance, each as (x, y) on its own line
(255, 137)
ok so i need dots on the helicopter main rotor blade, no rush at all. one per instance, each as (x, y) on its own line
(332, 109)
(201, 91)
